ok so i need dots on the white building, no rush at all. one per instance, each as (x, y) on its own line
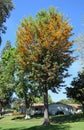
(60, 108)
(54, 109)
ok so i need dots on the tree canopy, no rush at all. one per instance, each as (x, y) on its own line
(5, 7)
(40, 99)
(69, 101)
(25, 89)
(7, 68)
(77, 90)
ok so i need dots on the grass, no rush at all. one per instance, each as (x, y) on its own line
(75, 122)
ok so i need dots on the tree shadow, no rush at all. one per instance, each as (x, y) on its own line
(23, 117)
(67, 119)
(51, 127)
(1, 117)
(18, 118)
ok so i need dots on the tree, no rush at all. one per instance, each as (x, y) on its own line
(44, 50)
(16, 103)
(77, 90)
(80, 48)
(7, 47)
(7, 68)
(25, 90)
(68, 101)
(5, 7)
(40, 99)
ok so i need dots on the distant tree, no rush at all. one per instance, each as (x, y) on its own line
(7, 47)
(80, 45)
(80, 48)
(77, 90)
(68, 101)
(5, 7)
(44, 50)
(16, 103)
(7, 68)
(40, 99)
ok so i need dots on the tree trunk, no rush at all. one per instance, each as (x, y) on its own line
(26, 103)
(83, 108)
(46, 116)
(27, 116)
(0, 108)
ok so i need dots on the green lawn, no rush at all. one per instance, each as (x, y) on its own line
(58, 123)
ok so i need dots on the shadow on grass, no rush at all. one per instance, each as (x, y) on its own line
(67, 119)
(51, 127)
(23, 117)
(1, 117)
(18, 118)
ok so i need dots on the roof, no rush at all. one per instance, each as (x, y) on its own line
(22, 105)
(75, 105)
(38, 104)
(34, 104)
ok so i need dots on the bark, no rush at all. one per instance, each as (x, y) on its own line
(26, 102)
(27, 116)
(0, 108)
(46, 116)
(83, 108)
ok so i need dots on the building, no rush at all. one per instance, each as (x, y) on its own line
(60, 108)
(37, 108)
(54, 109)
(77, 107)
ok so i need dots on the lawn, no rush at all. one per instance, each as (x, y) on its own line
(58, 123)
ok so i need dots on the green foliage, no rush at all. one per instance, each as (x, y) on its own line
(5, 7)
(16, 103)
(77, 90)
(68, 101)
(41, 99)
(44, 50)
(80, 48)
(7, 47)
(25, 88)
(7, 68)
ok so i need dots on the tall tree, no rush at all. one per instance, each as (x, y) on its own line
(7, 47)
(77, 90)
(5, 7)
(44, 49)
(7, 68)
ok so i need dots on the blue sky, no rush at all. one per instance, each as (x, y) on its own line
(73, 9)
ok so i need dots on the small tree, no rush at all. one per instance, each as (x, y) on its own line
(77, 90)
(44, 49)
(24, 89)
(16, 103)
(7, 68)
